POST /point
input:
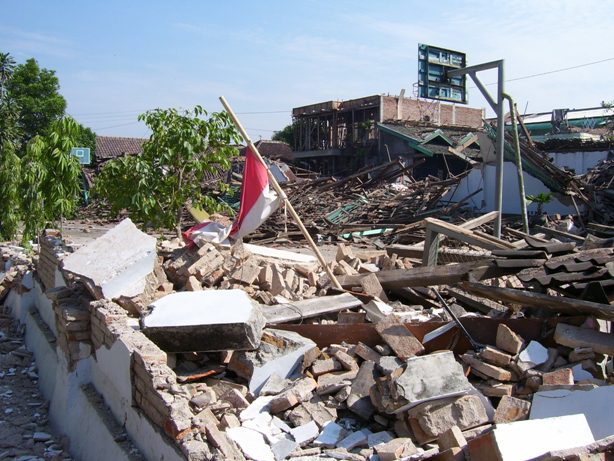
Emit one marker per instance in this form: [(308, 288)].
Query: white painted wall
[(484, 176), (70, 410)]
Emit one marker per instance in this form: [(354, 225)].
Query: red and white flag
[(258, 201)]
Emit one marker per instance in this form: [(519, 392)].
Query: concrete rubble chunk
[(511, 409), (355, 439), (495, 356), (508, 340), (486, 369), (432, 376), (395, 449), (452, 438), (280, 352), (331, 434), (210, 320), (560, 377), (378, 438), (359, 401), (115, 264), (532, 356), (398, 337), (305, 433), (323, 366), (251, 443), (299, 391), (524, 440), (595, 404), (283, 447), (428, 421)]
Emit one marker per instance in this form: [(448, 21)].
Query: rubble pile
[(247, 352), (368, 198), (600, 183)]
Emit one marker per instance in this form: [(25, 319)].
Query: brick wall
[(72, 319), (433, 111), (51, 250)]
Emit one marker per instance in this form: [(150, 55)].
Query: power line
[(550, 72)]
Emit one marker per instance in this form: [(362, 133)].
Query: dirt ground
[(25, 431)]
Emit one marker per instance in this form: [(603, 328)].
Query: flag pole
[(281, 194)]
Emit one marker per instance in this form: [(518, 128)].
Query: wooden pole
[(281, 193)]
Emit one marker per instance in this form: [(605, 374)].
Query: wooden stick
[(281, 193)]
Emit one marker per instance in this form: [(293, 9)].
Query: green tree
[(36, 93), (183, 149), (9, 160), (286, 135), (50, 183)]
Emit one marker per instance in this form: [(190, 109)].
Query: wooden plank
[(520, 254), (558, 233), (444, 254), (519, 263), (570, 336), (420, 276), (464, 235), (309, 308), (410, 295), (553, 303), (485, 306), (522, 235)]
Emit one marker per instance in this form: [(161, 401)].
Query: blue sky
[(116, 59)]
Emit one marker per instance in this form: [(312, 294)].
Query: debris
[(115, 264), (204, 321)]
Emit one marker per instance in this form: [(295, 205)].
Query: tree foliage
[(36, 93), (51, 177), (184, 148), (286, 135), (39, 179)]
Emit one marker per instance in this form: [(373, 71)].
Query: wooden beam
[(485, 306), (307, 308), (421, 276), (558, 233), (538, 300)]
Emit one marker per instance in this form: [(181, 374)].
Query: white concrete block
[(378, 437), (595, 404), (522, 440), (533, 355), (331, 434), (115, 264), (282, 357), (355, 439), (252, 443), (305, 433), (261, 404), (209, 320), (579, 373)]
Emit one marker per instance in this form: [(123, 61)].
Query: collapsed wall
[(272, 393)]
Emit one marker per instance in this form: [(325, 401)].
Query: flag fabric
[(258, 201), (207, 231)]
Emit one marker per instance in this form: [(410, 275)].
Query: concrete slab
[(115, 264), (595, 404), (331, 434), (430, 377), (252, 443), (535, 354), (209, 320), (280, 352), (522, 440)]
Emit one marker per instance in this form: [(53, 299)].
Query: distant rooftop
[(110, 147)]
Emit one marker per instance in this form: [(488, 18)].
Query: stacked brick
[(51, 250), (72, 317), (107, 320)]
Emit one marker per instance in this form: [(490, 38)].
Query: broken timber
[(434, 227), (554, 303), (307, 308), (429, 276)]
